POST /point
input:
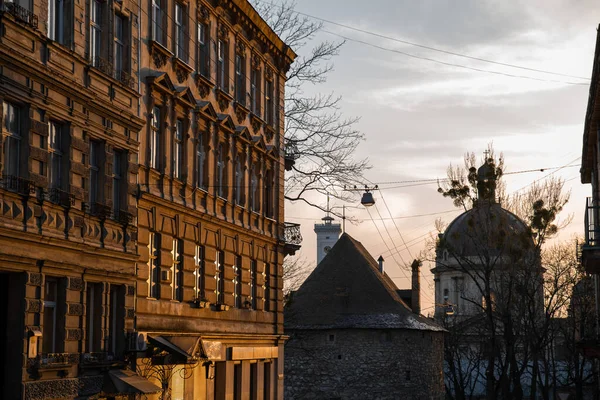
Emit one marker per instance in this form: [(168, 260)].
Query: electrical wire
[(429, 47), (487, 71)]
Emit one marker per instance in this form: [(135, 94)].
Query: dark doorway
[(12, 295)]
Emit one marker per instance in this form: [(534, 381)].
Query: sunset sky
[(419, 116)]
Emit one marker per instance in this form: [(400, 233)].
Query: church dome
[(486, 229)]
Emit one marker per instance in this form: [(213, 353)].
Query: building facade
[(68, 161), (210, 211), (590, 173), (141, 223), (352, 336)]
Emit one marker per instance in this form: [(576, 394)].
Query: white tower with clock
[(328, 234)]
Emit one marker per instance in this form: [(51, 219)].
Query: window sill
[(241, 111), (182, 69), (257, 122), (224, 99), (160, 54), (204, 84)]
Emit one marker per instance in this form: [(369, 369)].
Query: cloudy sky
[(419, 116)]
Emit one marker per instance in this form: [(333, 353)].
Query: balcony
[(17, 184), (590, 251), (292, 238), (99, 210), (60, 197), (107, 68), (20, 13), (123, 217)]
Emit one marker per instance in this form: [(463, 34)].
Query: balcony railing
[(123, 217), (97, 358), (17, 184), (99, 210), (592, 227), (21, 13), (60, 197), (107, 68), (292, 233), (49, 360)]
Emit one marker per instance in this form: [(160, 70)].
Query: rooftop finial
[(486, 179)]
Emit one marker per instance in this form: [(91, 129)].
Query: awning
[(187, 347), (126, 381)]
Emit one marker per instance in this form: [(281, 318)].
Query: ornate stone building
[(210, 212), (161, 113), (68, 161), (590, 173), (352, 336)]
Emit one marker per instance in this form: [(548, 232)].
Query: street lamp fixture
[(367, 199)]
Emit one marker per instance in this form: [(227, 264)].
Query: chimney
[(380, 259), (416, 287)]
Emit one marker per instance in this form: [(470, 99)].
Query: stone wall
[(364, 363)]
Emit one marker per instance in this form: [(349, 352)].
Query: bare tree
[(499, 259), (295, 271), (321, 139)]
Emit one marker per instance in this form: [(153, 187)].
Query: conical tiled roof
[(346, 290)]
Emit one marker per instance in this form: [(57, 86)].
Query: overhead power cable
[(487, 71), (452, 53)]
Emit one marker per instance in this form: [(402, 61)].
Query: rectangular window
[(121, 49), (201, 161), (240, 187), (240, 79), (93, 314), (116, 335), (253, 284), (155, 139), (154, 265), (255, 91), (177, 269), (222, 66), (119, 186), (95, 187), (157, 28), (269, 102), (267, 287), (220, 277), (254, 193), (268, 194), (95, 32), (180, 29), (12, 138), (254, 381), (221, 173), (237, 381), (203, 50), (199, 283), (178, 151), (54, 322), (58, 20), (267, 381), (237, 282), (55, 133)]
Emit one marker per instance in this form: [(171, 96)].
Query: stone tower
[(328, 234)]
